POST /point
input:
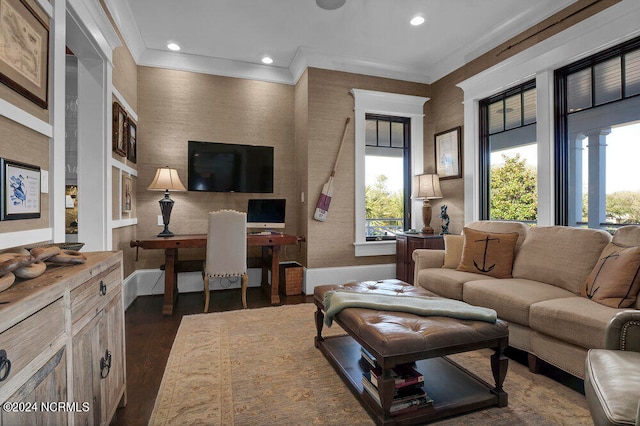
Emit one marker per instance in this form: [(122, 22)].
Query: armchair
[(612, 375)]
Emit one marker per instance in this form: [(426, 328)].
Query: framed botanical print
[(24, 52), (20, 191), (127, 197), (119, 130), (449, 154), (131, 141)]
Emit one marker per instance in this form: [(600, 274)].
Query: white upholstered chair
[(226, 250)]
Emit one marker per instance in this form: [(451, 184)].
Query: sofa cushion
[(627, 236), (452, 250), (511, 297), (488, 253), (615, 280), (559, 255), (446, 282), (583, 321)]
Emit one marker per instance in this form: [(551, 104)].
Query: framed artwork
[(20, 191), (24, 64), (449, 154), (119, 130), (131, 144), (127, 187)]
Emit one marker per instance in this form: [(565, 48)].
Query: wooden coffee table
[(453, 389)]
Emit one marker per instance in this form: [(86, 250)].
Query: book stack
[(409, 393)]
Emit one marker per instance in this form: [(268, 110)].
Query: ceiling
[(374, 37)]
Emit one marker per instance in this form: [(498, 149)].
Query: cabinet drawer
[(94, 294), (29, 338)]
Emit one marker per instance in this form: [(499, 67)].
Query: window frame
[(561, 116), (388, 104)]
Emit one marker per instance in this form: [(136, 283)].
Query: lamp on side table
[(427, 187), (166, 179)]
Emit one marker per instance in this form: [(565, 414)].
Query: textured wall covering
[(177, 106), (330, 243)]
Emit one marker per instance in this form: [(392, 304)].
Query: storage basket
[(290, 278)]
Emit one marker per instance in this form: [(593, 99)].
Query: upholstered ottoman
[(395, 338)]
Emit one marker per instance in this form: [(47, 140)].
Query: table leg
[(170, 281), (275, 274)]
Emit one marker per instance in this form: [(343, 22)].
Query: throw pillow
[(615, 280), (488, 253), (452, 250)]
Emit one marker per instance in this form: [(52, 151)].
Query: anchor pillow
[(615, 280), (488, 253)]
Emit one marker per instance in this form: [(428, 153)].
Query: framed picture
[(119, 130), (127, 187), (449, 154), (131, 145), (20, 192), (24, 38)]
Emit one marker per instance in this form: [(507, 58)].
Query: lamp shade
[(166, 179), (427, 187)]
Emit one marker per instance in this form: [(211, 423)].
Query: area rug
[(260, 367)]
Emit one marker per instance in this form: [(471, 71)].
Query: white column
[(574, 197), (597, 177)]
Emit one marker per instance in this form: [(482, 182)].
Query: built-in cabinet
[(63, 336), (405, 245)]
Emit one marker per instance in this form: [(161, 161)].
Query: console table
[(406, 244), (170, 245)]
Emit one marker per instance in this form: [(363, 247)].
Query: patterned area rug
[(260, 367)]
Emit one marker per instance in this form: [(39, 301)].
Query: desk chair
[(226, 250)]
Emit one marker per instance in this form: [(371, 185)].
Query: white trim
[(96, 25), (21, 238), (121, 223), (125, 104), (123, 18), (314, 277), (124, 167), (46, 7), (412, 107), (29, 121), (608, 28)]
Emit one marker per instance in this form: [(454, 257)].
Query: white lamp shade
[(166, 179), (427, 187)]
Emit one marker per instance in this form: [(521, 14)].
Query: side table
[(406, 244)]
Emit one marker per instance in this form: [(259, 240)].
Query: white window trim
[(371, 102), (608, 28)]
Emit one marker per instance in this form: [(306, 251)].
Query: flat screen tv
[(223, 167), (266, 213)]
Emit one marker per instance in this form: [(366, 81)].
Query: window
[(508, 147), (390, 114), (387, 176), (598, 139)]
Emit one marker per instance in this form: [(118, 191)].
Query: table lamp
[(166, 179), (426, 187)]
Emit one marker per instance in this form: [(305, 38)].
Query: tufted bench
[(395, 338)]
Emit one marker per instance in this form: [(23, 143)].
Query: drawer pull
[(103, 288), (5, 365), (105, 364)]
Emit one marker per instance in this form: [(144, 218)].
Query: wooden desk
[(170, 245)]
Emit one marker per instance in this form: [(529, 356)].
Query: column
[(597, 177)]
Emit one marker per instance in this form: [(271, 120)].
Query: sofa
[(547, 292)]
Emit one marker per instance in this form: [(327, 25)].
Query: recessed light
[(267, 60), (173, 46), (417, 20)]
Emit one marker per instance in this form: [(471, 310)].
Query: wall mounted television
[(224, 167)]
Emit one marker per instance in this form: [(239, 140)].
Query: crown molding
[(123, 18)]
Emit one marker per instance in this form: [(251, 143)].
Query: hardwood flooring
[(149, 336)]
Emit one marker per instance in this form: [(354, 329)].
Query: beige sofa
[(547, 316)]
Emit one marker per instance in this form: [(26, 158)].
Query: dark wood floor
[(150, 335)]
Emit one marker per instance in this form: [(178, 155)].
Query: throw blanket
[(336, 301)]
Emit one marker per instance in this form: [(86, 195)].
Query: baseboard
[(145, 282), (319, 276)]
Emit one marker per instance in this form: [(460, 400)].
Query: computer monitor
[(266, 213)]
